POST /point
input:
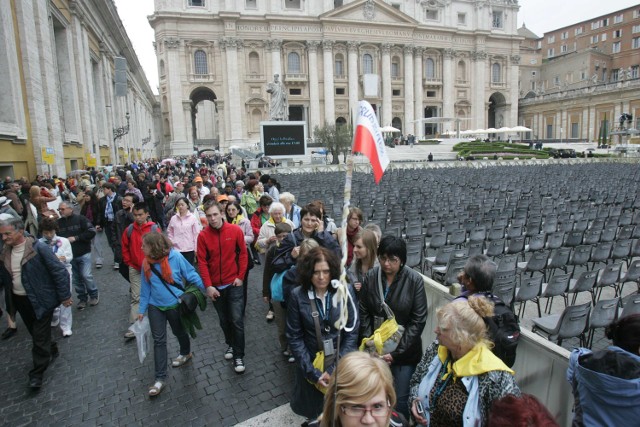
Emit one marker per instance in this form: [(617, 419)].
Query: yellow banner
[(91, 160), (48, 156)]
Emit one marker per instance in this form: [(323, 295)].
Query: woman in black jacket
[(314, 295), (402, 289)]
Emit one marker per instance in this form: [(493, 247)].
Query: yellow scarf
[(237, 219), (479, 360)]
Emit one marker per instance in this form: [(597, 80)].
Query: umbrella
[(491, 130), (504, 130), (389, 129), (170, 161), (521, 129)]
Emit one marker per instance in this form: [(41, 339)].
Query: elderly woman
[(354, 226), (459, 377), (365, 250), (364, 396), (309, 310), (606, 383), (267, 236), (292, 211), (402, 290)]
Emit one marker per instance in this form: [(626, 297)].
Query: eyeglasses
[(319, 273), (391, 260), (378, 410)]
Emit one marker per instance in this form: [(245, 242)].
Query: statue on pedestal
[(279, 105)]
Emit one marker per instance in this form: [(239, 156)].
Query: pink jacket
[(183, 231)]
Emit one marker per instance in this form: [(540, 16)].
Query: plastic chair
[(515, 246), (625, 232), (580, 256), (478, 233), (496, 233), (556, 286), (508, 263), (601, 253), (602, 314), (632, 275), (572, 322), (573, 239), (558, 260), (440, 260), (475, 248), (536, 243), (555, 240), (454, 268), (514, 230), (584, 283), (609, 277), (529, 290), (537, 262), (438, 240), (621, 250), (630, 305), (458, 237), (495, 248), (505, 290), (608, 234), (591, 237)]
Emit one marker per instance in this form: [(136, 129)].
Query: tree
[(337, 139)]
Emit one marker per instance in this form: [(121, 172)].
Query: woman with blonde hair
[(365, 257), (360, 392), (459, 377)]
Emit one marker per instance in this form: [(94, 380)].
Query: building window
[(617, 34), (395, 5), (200, 62), (162, 70), (339, 65), (574, 130), (367, 63), (604, 37), (618, 19), (595, 25), (461, 74), (551, 39), (395, 67), (563, 48), (635, 43), (293, 63), (196, 3), (636, 13), (432, 15), (605, 22), (635, 29), (340, 91), (564, 35), (251, 4), (583, 75), (615, 75), (254, 63), (296, 91), (549, 131), (337, 3), (430, 68), (496, 20), (292, 4), (396, 92), (577, 31), (594, 39), (462, 19), (533, 74), (431, 94), (635, 71), (615, 47), (556, 81), (550, 52), (496, 73)]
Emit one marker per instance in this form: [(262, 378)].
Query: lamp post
[(121, 131)]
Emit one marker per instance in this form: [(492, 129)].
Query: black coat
[(408, 301), (79, 227), (116, 205), (283, 259)]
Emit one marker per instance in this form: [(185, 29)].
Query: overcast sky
[(540, 16)]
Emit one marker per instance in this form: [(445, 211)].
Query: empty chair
[(529, 290), (537, 262), (508, 263), (556, 286), (609, 277), (621, 250), (566, 225), (581, 224), (608, 234), (625, 232), (635, 250), (478, 233), (626, 218), (632, 275), (555, 240), (558, 260), (584, 283), (600, 253), (440, 260), (591, 237), (454, 268), (414, 231), (495, 248), (505, 290), (515, 246), (597, 224), (573, 238), (580, 256), (496, 232), (438, 240), (475, 248), (572, 322), (458, 237), (532, 229), (602, 314), (515, 231), (630, 305), (536, 243), (415, 259), (433, 228)]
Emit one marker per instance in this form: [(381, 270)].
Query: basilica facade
[(411, 59)]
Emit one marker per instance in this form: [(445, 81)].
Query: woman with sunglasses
[(402, 289)]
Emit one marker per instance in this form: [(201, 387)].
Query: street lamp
[(122, 130)]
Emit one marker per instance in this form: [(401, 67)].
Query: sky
[(540, 16)]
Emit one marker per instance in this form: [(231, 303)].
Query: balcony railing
[(340, 77), (296, 77), (255, 77), (498, 84), (201, 77), (432, 81)]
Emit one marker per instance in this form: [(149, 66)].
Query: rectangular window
[(594, 39), (496, 21), (462, 19), (605, 22), (550, 53), (563, 48), (431, 94), (533, 74), (533, 85), (396, 92), (551, 39), (292, 4), (617, 34), (615, 47), (339, 67), (549, 131), (395, 5), (196, 3), (340, 91), (636, 13), (635, 43), (395, 69), (251, 4), (432, 15), (615, 75), (578, 31), (583, 75), (556, 81), (595, 25), (635, 71), (564, 35), (295, 91), (635, 29), (539, 44), (574, 130), (604, 37), (618, 19)]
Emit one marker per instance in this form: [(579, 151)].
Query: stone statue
[(594, 79), (279, 105), (629, 73)]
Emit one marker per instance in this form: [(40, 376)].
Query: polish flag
[(369, 141)]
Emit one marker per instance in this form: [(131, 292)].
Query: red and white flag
[(369, 141)]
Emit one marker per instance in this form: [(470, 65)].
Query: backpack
[(503, 330), (154, 227)]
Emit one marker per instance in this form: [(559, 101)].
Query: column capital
[(312, 45), (478, 55), (408, 49), (353, 46), (515, 59), (230, 43), (386, 48), (449, 53), (327, 45), (274, 44), (172, 42), (418, 51), (187, 105)]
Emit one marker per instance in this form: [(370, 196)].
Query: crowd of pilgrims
[(457, 381)]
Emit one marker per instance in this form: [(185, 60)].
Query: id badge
[(328, 347)]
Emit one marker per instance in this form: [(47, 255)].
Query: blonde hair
[(360, 378), (465, 319), (307, 245), (158, 245)]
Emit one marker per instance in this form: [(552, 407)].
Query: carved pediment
[(368, 11)]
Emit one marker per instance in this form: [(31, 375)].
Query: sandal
[(156, 388)]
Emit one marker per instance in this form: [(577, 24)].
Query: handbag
[(320, 362), (386, 337)]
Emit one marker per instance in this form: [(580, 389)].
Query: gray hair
[(16, 223), (287, 197), (482, 271), (275, 206)]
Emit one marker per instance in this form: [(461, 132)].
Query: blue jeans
[(230, 308), (83, 277), (158, 323), (401, 377)]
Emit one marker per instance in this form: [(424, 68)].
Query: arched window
[(162, 70), (430, 68), (395, 67), (496, 73), (165, 104), (462, 71), (200, 62), (254, 63), (339, 65), (367, 63), (293, 63)]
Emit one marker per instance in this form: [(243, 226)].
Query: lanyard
[(324, 314)]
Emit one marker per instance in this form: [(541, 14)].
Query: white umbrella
[(389, 129), (170, 161), (504, 129), (521, 129), (491, 130)]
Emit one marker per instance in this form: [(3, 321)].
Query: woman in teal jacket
[(160, 301)]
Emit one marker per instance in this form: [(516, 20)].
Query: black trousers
[(40, 330)]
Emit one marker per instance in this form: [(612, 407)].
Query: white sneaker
[(238, 365), (228, 355), (181, 360), (67, 333)]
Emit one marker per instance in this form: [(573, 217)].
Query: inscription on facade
[(427, 36), (287, 28), (251, 27), (366, 31)]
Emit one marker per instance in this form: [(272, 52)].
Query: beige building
[(411, 59), (580, 76), (58, 90)]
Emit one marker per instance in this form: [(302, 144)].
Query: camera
[(420, 408)]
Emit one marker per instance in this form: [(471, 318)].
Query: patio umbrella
[(491, 130), (170, 161), (504, 129), (389, 129), (521, 129)]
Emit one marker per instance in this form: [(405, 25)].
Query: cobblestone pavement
[(98, 380)]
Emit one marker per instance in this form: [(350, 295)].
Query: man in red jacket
[(133, 256), (222, 260)]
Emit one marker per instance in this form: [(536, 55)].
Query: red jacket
[(222, 255), (132, 254), (256, 222)]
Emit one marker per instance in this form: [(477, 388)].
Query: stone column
[(594, 127), (584, 128), (418, 90), (230, 46), (557, 124), (276, 63), (314, 96), (173, 67), (513, 90), (386, 85), (409, 124), (353, 80), (187, 107), (327, 62), (448, 80), (478, 109)]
